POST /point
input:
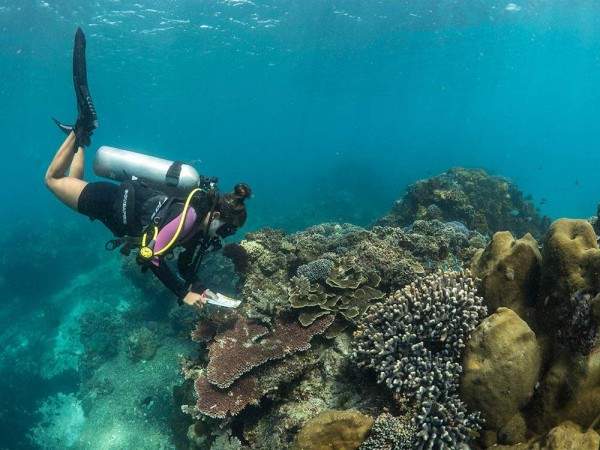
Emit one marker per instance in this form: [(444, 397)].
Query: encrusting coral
[(509, 270), (482, 202), (414, 341), (340, 430), (566, 436)]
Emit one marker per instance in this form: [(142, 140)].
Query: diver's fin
[(85, 105), (63, 127)]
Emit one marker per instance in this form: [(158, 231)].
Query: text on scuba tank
[(124, 206)]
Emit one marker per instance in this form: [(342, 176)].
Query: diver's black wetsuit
[(127, 208)]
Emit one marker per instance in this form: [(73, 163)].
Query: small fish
[(512, 7), (543, 201)]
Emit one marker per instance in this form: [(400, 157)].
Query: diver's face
[(219, 228)]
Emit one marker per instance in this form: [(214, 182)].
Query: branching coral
[(316, 270), (391, 433), (414, 341)]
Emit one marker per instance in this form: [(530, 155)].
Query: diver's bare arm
[(66, 188)]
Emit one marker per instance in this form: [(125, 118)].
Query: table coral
[(249, 345)]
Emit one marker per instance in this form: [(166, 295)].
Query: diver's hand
[(194, 299)]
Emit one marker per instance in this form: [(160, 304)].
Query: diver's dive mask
[(219, 228)]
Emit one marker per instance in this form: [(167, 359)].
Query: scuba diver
[(158, 206)]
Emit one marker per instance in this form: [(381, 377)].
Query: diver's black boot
[(87, 120)]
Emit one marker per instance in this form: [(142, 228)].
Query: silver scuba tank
[(122, 165)]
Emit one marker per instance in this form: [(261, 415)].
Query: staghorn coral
[(414, 341), (241, 349), (391, 433), (343, 430), (482, 202)]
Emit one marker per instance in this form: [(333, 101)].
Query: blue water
[(327, 109)]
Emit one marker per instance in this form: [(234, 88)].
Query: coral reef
[(414, 341), (249, 345), (501, 364), (510, 270), (484, 203), (391, 433), (395, 255), (525, 383), (342, 430)]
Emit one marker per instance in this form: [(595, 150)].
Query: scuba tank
[(123, 165)]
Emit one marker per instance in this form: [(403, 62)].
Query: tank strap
[(173, 173)]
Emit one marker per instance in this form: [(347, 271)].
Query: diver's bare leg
[(66, 188), (77, 165)]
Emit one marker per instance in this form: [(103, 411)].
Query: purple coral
[(218, 403), (246, 346), (230, 383)]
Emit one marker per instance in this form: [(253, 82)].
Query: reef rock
[(509, 270), (566, 436), (482, 202), (501, 367), (571, 263), (570, 390), (571, 258), (334, 430)]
